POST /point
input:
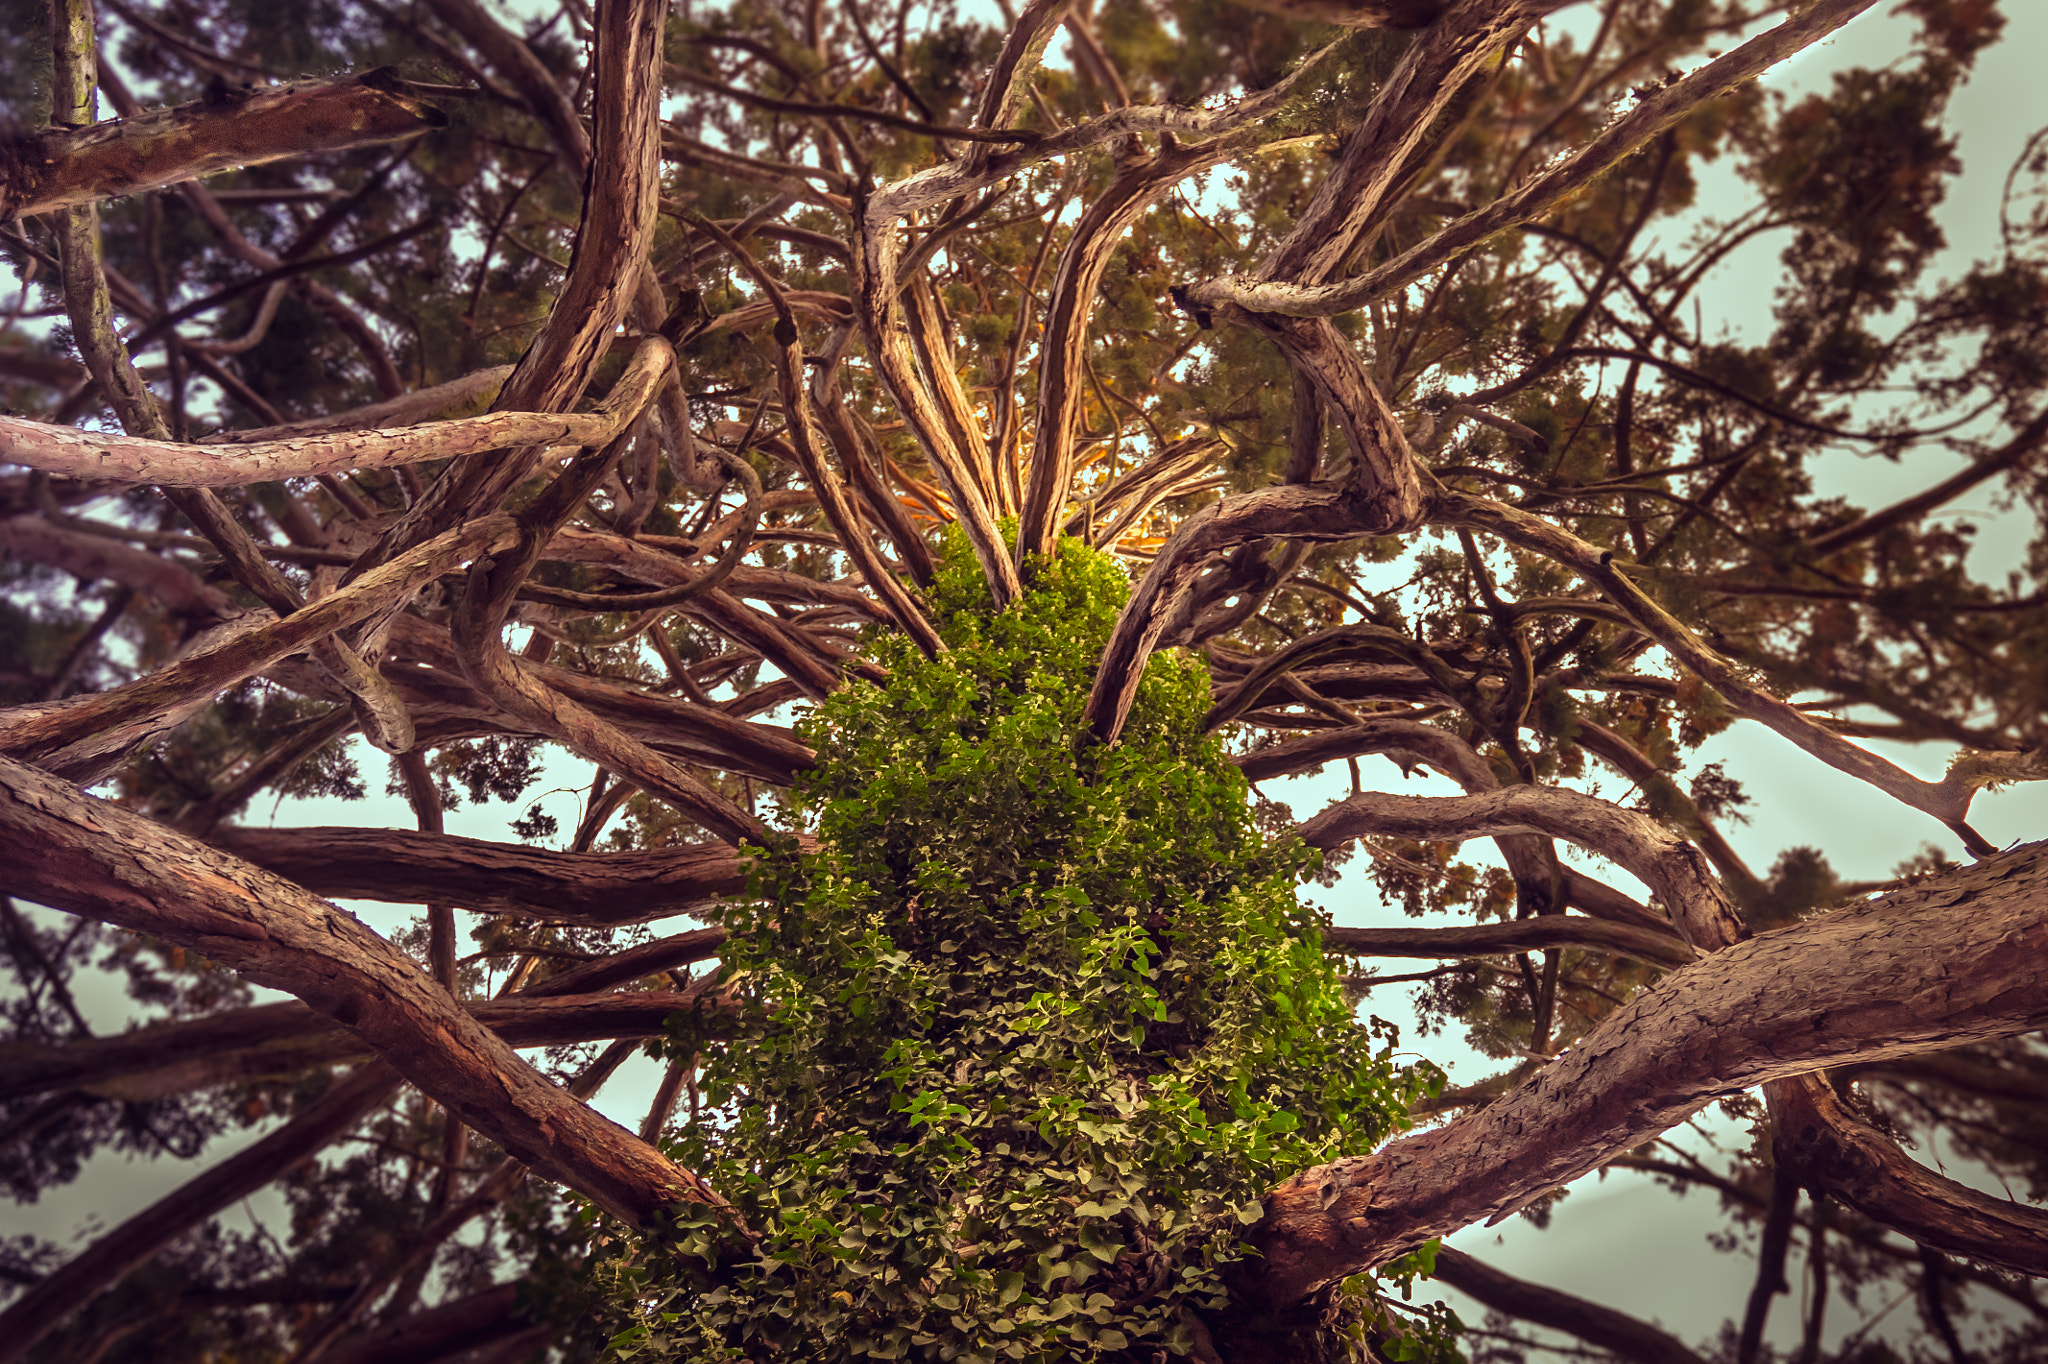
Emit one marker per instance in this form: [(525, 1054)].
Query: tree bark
[(1960, 959), (282, 1039), (64, 168), (1519, 935), (403, 867), (1834, 1152), (89, 857)]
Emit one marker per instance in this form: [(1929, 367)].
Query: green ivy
[(1040, 1020)]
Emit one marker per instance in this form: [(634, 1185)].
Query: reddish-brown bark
[(66, 167), (1958, 960), (92, 858), (282, 1039), (1834, 1152), (404, 867)]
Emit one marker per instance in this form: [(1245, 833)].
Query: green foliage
[(1039, 1021)]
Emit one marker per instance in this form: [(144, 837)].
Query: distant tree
[(930, 483)]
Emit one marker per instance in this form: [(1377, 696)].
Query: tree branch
[(1283, 288), (89, 857), (1895, 976), (1517, 935), (1837, 1153), (1596, 1325), (44, 1307), (1669, 865), (399, 866), (70, 167)]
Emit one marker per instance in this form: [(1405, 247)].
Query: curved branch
[(621, 198), (1316, 513), (1360, 637), (89, 857), (1895, 976), (1833, 1151), (1669, 865), (1063, 343), (807, 437), (1313, 297)]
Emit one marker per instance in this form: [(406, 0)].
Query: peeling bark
[(69, 167)]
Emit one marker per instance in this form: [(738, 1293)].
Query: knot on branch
[(1184, 301)]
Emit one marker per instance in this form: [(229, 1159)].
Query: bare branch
[(75, 453), (1894, 976), (402, 867), (1947, 800), (1315, 513), (1835, 1152), (69, 167), (1516, 935), (1669, 865), (87, 734), (1632, 1339), (89, 857), (1303, 290), (284, 1039)]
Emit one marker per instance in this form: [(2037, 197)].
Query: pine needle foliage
[(1041, 1020)]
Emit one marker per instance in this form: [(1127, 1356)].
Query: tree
[(1070, 443)]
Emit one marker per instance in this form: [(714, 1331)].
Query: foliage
[(1042, 1019)]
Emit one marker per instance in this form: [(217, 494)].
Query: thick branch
[(83, 735), (89, 857), (1835, 1152), (402, 867), (1960, 959), (76, 453), (68, 167), (619, 206), (1462, 45), (1516, 935), (1669, 865)]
